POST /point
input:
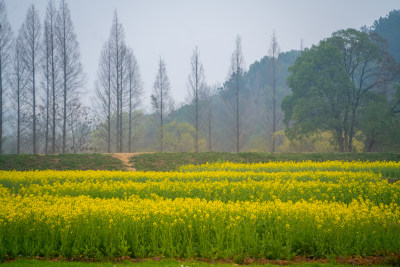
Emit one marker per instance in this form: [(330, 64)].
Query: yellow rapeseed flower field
[(219, 210)]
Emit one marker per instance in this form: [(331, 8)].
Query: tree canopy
[(333, 84), (388, 27)]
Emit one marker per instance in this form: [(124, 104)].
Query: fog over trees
[(341, 94), (6, 40), (161, 100), (196, 93)]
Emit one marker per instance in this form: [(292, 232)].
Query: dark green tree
[(389, 28), (318, 100), (333, 81), (380, 125)]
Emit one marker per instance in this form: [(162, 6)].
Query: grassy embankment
[(170, 161), (60, 162)]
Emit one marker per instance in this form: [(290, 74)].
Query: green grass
[(150, 263), (169, 161), (60, 162), (172, 161)]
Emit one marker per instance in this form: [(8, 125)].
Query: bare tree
[(196, 93), (18, 85), (79, 126), (31, 31), (5, 54), (46, 72), (161, 99), (118, 47), (122, 91), (52, 71), (274, 51), (235, 84), (118, 89), (135, 86), (209, 94), (103, 101), (72, 71)]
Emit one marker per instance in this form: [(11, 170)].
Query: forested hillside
[(341, 94)]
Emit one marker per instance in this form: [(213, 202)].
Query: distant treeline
[(342, 94)]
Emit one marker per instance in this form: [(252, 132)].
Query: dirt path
[(124, 157)]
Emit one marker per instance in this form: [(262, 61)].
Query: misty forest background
[(342, 94)]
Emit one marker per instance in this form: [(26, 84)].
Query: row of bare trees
[(119, 89), (43, 75), (200, 95)]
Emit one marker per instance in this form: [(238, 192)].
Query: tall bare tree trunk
[(30, 45), (161, 100), (274, 54), (130, 116), (50, 20), (209, 125), (109, 104), (237, 112), (233, 89), (196, 93), (120, 103), (118, 81), (47, 90), (5, 54), (34, 103), (64, 49), (162, 115), (196, 138), (1, 96), (18, 119), (273, 103), (72, 71), (18, 83)]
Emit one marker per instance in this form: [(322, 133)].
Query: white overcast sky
[(173, 28)]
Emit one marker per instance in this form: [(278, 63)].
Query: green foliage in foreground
[(172, 161), (60, 162), (164, 263)]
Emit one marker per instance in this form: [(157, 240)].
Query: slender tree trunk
[(47, 97), (120, 108), (53, 90), (18, 115), (117, 125), (65, 87), (351, 133), (273, 103), (117, 69), (161, 117), (130, 115), (237, 111), (346, 126), (209, 127), (53, 135), (196, 139), (33, 101), (339, 137), (1, 100), (109, 106), (370, 142)]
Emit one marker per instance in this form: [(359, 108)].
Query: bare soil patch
[(124, 157)]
